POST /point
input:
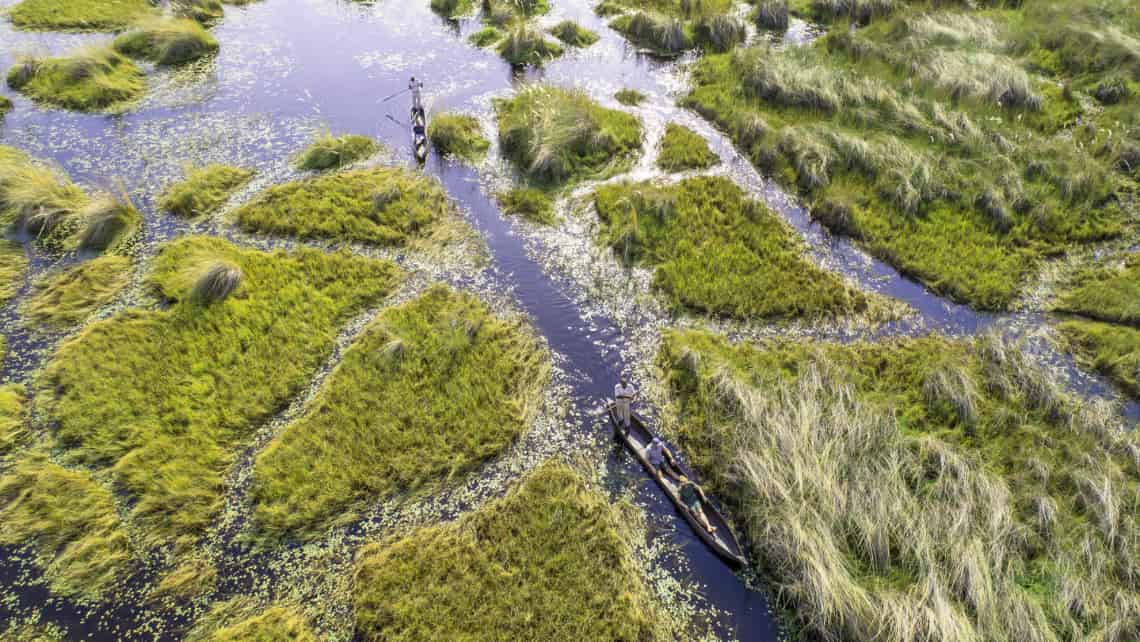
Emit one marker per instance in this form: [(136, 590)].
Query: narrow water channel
[(290, 68)]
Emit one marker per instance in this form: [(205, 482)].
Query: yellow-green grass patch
[(550, 561), (573, 34), (716, 251), (91, 79), (5, 105), (163, 398), (332, 152), (205, 190), (1109, 293), (532, 204), (629, 97), (68, 297), (431, 390), (79, 15), (523, 45), (452, 8), (70, 523), (384, 206), (241, 620), (13, 263), (918, 484), (683, 149), (12, 426), (458, 134), (36, 198), (1113, 350), (167, 41), (206, 12), (558, 136)]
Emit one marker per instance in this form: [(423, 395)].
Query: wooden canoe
[(419, 133), (723, 542)]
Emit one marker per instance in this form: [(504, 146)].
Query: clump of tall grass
[(204, 190), (458, 134), (5, 105), (65, 299), (13, 262), (1113, 350), (526, 45), (1109, 292), (242, 618), (12, 427), (203, 11), (332, 152), (485, 37), (530, 203), (581, 580), (718, 33), (452, 8), (574, 34), (373, 430), (979, 75), (36, 198), (557, 136), (80, 15), (517, 8), (108, 222), (772, 14), (856, 11), (217, 281), (167, 41), (629, 97), (683, 149), (89, 79), (657, 32)]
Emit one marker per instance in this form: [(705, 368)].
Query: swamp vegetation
[(458, 134), (91, 79), (682, 149), (333, 152), (70, 296), (204, 191)]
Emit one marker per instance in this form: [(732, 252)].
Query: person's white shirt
[(624, 391)]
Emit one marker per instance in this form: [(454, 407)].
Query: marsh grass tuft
[(205, 12), (458, 134), (217, 282), (526, 45), (204, 190), (683, 149), (1109, 293), (108, 223), (1111, 349), (36, 198), (5, 105), (772, 14), (385, 206), (452, 8), (241, 619), (13, 430), (561, 543), (332, 152), (629, 97), (79, 15), (574, 34), (67, 298), (485, 37), (91, 79), (167, 41), (431, 390), (559, 136), (658, 33), (532, 204), (13, 263)]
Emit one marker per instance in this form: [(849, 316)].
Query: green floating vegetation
[(485, 37), (71, 524), (1110, 293), (1113, 350), (67, 298), (167, 41), (13, 263), (532, 204), (525, 45), (920, 138), (558, 136), (91, 79), (205, 12), (385, 206), (38, 199), (683, 149), (948, 487), (205, 190), (12, 426), (458, 134), (718, 252), (630, 97), (431, 390), (79, 15), (191, 382), (550, 561), (332, 152), (574, 34)]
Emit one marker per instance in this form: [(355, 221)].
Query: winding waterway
[(290, 68)]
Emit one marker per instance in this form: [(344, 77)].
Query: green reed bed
[(718, 252), (670, 27), (384, 206), (532, 204), (431, 390), (916, 489), (70, 524), (167, 42), (573, 34), (333, 152), (90, 79), (37, 198), (189, 383), (683, 149), (68, 297), (550, 561), (557, 136), (458, 134), (12, 421), (13, 263), (525, 45), (79, 15), (205, 190), (962, 186)]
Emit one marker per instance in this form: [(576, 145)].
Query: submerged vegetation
[(550, 561), (716, 251), (13, 262), (204, 190), (560, 136), (167, 439), (332, 152), (941, 489), (70, 296), (432, 389), (458, 134), (91, 79), (167, 41), (929, 137), (682, 149), (532, 204), (81, 15), (385, 206)]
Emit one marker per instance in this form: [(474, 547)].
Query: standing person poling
[(624, 395), (416, 87)]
